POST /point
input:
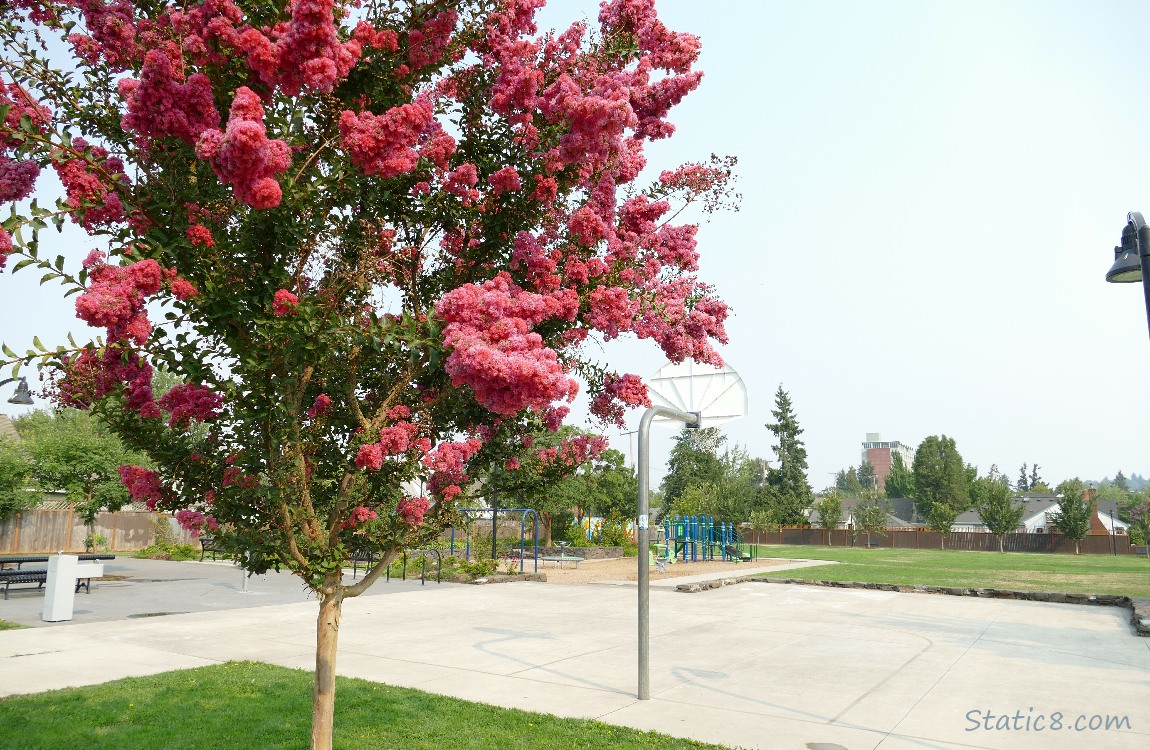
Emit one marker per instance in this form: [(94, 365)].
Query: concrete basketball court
[(754, 665)]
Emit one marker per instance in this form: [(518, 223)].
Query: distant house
[(8, 430), (900, 510), (1039, 517)]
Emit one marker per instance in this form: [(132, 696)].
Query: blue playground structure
[(698, 538)]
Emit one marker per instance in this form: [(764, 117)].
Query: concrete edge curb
[(1139, 606)]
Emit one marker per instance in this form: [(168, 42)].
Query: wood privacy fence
[(1097, 544), (62, 530)]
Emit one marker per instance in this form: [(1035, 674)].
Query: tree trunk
[(942, 541), (327, 636), (546, 528), (1001, 548), (1076, 546)]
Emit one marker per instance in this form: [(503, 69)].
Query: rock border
[(1139, 606), (495, 578)]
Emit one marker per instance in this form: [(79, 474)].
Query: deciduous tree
[(15, 478), (940, 483), (379, 236), (830, 509), (997, 506), (1075, 511), (71, 451)]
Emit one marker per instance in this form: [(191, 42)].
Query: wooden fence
[(1094, 544), (63, 530)]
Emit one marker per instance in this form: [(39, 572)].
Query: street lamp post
[(1132, 257)]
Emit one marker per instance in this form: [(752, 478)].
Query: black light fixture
[(1132, 257), (23, 395)]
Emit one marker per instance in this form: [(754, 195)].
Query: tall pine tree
[(789, 489)]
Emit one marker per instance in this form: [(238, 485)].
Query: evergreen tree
[(847, 482), (788, 482), (1035, 479), (694, 460), (866, 477), (900, 482), (1023, 482), (1121, 482)]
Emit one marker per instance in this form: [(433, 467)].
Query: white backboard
[(719, 393)]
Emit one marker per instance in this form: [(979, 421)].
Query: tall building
[(880, 455)]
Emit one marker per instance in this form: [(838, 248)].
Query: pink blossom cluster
[(182, 289), (461, 181), (189, 402), (93, 374), (243, 156), (111, 34), (617, 391), (574, 451), (384, 145), (303, 52), (412, 509), (284, 303), (447, 463), (116, 295), (358, 516), (144, 485), (505, 180), (17, 178), (208, 30), (512, 464), (320, 406), (161, 104), (496, 352), (5, 247), (393, 441), (196, 522), (426, 45), (90, 177)]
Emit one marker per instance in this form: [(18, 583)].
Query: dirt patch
[(627, 569)]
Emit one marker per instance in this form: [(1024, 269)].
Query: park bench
[(19, 560), (209, 546), (364, 557), (38, 576)]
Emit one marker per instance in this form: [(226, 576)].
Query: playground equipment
[(474, 513), (699, 538)]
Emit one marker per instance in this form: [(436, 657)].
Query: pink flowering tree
[(537, 464), (372, 241)]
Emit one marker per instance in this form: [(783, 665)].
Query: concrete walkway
[(754, 665)]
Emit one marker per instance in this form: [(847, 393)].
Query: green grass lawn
[(1088, 574), (244, 705)]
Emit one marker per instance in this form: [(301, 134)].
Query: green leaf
[(7, 350), (36, 343)]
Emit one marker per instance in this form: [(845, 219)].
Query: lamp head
[(1127, 266), (23, 395)]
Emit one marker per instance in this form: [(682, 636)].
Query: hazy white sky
[(931, 196)]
